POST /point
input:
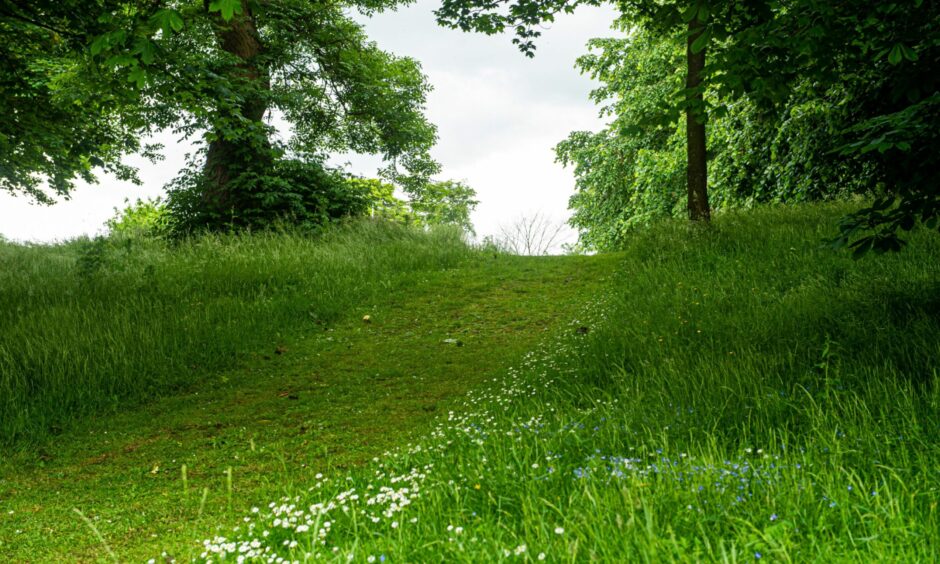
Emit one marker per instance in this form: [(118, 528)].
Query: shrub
[(141, 218), (301, 193)]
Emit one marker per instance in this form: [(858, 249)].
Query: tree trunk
[(228, 154), (696, 170)]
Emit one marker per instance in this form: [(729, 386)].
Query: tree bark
[(696, 170), (226, 155)]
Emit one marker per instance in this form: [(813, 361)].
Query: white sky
[(499, 114)]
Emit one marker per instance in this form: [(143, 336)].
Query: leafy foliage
[(149, 218), (875, 63), (59, 123), (446, 202), (213, 70), (287, 190), (799, 110), (435, 202), (303, 194), (841, 96), (382, 202), (633, 170)]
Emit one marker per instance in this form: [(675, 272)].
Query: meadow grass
[(99, 325), (737, 393), (159, 473), (741, 393)]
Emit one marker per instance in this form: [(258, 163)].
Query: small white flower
[(541, 556), (559, 530)]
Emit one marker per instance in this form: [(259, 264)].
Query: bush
[(142, 218), (301, 193)]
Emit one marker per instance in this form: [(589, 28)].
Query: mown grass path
[(335, 397)]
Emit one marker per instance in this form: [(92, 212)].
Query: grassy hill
[(736, 393), (92, 325)]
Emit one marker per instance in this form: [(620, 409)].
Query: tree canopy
[(59, 123), (796, 100), (222, 72), (866, 70)]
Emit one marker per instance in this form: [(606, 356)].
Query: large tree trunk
[(696, 171), (227, 156)]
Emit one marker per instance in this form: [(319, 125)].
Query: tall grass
[(742, 394), (93, 324)]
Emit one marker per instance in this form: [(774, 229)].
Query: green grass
[(737, 393), (92, 325), (338, 395), (742, 394)]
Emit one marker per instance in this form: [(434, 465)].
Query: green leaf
[(703, 13), (689, 13), (146, 49), (894, 56), (122, 60), (908, 53), (701, 41), (99, 44), (170, 21), (139, 76), (227, 8)]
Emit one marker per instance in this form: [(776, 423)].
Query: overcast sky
[(498, 115)]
